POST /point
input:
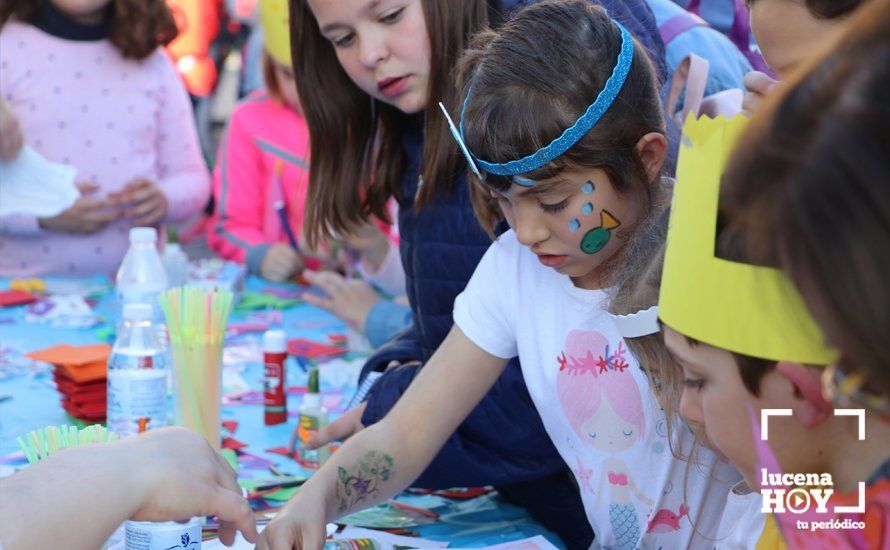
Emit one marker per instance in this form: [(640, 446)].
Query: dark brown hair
[(357, 161), (826, 9), (270, 81), (808, 190), (136, 27), (535, 76)]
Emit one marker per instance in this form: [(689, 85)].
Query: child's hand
[(280, 263), (300, 524), (349, 424), (348, 299), (757, 87), (179, 476), (11, 140), (86, 215), (145, 202)]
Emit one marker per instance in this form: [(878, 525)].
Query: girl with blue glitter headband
[(370, 74), (562, 105)]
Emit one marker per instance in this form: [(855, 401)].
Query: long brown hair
[(535, 76), (808, 190), (357, 161), (136, 27)]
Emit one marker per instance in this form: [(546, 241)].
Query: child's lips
[(551, 260)]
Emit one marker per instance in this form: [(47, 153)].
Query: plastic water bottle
[(141, 277), (137, 376), (176, 264)]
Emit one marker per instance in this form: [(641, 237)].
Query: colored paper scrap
[(233, 444), (251, 300), (307, 348), (230, 425), (10, 298), (64, 354)]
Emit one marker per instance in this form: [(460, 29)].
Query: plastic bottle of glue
[(313, 417), (274, 356)]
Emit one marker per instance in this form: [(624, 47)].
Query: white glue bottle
[(313, 417), (137, 376)]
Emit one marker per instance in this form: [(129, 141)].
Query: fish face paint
[(596, 239), (571, 222)]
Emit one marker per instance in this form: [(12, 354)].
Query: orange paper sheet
[(85, 373), (73, 356)]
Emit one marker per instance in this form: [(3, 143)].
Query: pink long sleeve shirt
[(262, 136), (114, 119)]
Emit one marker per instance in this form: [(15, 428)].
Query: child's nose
[(529, 227), (690, 408)]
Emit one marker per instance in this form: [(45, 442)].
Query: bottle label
[(162, 536), (274, 396), (308, 427), (137, 399)]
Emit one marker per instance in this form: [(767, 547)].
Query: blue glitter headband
[(569, 138)]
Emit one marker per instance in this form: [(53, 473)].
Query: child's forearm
[(373, 466)]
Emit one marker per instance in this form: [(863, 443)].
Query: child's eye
[(627, 434), (555, 208), (693, 384), (344, 41), (392, 16)]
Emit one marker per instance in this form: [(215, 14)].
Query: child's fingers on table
[(234, 513), (345, 426), (318, 301)]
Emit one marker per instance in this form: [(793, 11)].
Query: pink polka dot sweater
[(115, 120)]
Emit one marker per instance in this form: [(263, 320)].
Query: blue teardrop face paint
[(574, 225), (588, 188), (587, 209)]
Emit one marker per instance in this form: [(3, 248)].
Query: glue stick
[(274, 355), (313, 417)]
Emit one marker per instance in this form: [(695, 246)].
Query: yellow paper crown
[(743, 308), (276, 29)]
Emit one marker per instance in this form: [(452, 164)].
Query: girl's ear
[(810, 405), (652, 149)]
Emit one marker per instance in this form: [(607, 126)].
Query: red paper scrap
[(230, 425), (307, 348), (283, 451), (233, 444), (10, 298), (337, 339)]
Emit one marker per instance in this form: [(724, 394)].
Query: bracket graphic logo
[(800, 493)]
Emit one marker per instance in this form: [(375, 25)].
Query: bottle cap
[(138, 312), (172, 249), (274, 341), (143, 235)]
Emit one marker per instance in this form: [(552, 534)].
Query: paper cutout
[(63, 354), (283, 451), (68, 311), (255, 300), (230, 425), (233, 444), (596, 239), (31, 185), (307, 348), (10, 298), (747, 309)]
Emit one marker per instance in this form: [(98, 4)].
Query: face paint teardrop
[(596, 239)]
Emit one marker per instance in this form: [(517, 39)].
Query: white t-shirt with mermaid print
[(595, 403)]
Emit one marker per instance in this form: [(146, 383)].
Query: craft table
[(28, 400)]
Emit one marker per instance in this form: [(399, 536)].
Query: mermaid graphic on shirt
[(602, 402)]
